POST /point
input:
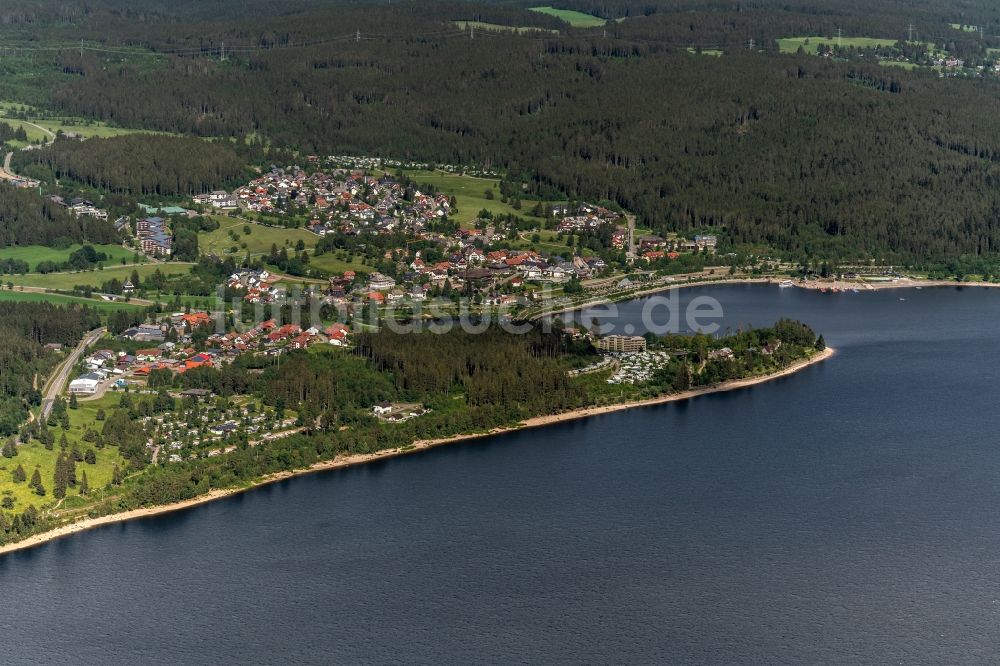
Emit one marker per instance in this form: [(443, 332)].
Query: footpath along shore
[(361, 459)]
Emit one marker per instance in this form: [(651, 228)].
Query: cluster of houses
[(271, 338), (79, 206), (219, 199), (585, 217), (343, 201), (367, 163), (257, 286), (488, 273), (654, 248), (179, 357)]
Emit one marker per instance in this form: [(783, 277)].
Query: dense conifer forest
[(140, 164), (28, 219), (810, 156), (25, 328)]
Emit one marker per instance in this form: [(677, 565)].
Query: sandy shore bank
[(361, 459), (901, 283)]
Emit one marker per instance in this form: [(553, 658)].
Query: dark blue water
[(847, 514)]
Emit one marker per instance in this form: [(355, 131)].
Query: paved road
[(59, 378), (96, 295)]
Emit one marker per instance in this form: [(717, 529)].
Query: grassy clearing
[(59, 299), (479, 25), (809, 44), (33, 254), (330, 263), (574, 18), (95, 278), (34, 455), (706, 52), (257, 242), (964, 28), (470, 194)]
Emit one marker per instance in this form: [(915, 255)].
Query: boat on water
[(785, 284)]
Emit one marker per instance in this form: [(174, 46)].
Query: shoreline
[(816, 285), (417, 446)]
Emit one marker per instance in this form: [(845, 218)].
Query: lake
[(849, 513)]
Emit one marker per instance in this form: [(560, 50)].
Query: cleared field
[(95, 278), (59, 299), (330, 263), (809, 44), (574, 18), (470, 194), (41, 129), (34, 455), (33, 254), (257, 242), (964, 28), (706, 52), (479, 25)]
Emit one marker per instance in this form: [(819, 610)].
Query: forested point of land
[(805, 156), (469, 383)]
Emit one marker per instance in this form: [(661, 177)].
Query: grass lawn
[(548, 243), (33, 254), (574, 18), (330, 263), (95, 278), (59, 299), (809, 44), (479, 25), (34, 455), (470, 194), (964, 28), (257, 242)]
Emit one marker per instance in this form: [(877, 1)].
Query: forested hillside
[(24, 328), (810, 156), (28, 219), (141, 164)]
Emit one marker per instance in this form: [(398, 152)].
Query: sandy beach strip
[(420, 445)]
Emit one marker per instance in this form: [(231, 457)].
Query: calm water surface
[(847, 514)]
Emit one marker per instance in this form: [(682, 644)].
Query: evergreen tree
[(36, 483), (19, 475)]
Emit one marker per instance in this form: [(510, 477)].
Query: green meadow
[(33, 254), (809, 44), (574, 18), (59, 299), (470, 194), (35, 456), (96, 277), (257, 242)]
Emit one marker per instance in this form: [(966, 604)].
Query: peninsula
[(190, 435)]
